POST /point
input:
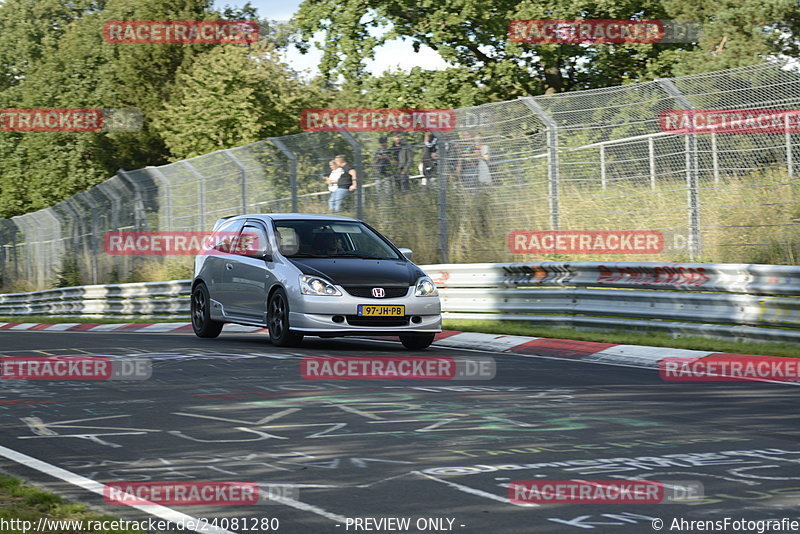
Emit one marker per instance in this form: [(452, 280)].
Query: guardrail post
[(552, 158), (242, 174), (293, 169), (358, 163), (441, 182), (692, 171)]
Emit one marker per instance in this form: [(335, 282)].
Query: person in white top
[(333, 178)]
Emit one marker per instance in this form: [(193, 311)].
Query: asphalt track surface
[(236, 409)]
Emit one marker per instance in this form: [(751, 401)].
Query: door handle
[(229, 266)]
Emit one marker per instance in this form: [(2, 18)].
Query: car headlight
[(314, 285), (426, 288)]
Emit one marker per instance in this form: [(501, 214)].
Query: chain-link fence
[(587, 160)]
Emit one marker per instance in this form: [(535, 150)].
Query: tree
[(231, 96), (471, 34)]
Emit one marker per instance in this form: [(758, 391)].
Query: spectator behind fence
[(401, 156), (382, 160), (332, 179), (347, 182), (484, 170), (430, 156)]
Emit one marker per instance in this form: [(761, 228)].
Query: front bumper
[(315, 314)]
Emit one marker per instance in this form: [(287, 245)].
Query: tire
[(417, 341), (278, 321), (202, 324)]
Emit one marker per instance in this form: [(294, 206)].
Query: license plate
[(370, 310)]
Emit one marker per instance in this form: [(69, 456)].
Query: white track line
[(156, 510)]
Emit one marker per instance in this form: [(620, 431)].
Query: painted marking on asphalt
[(88, 484), (305, 507), (474, 491)]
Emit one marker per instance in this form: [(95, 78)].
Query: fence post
[(79, 229), (691, 171), (56, 248), (603, 166), (242, 174), (201, 194), (155, 171), (552, 158), (359, 165), (651, 155), (714, 157), (139, 211), (292, 169), (93, 239), (22, 224), (441, 182), (789, 153)]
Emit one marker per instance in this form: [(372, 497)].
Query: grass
[(522, 328), (19, 501)]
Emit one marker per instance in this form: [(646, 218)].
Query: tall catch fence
[(586, 160)]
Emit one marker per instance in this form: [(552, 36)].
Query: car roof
[(291, 216)]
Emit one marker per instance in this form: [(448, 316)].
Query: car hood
[(360, 272)]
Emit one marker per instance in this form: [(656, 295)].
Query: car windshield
[(331, 239)]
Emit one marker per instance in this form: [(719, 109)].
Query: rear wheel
[(202, 324), (278, 321), (417, 342)]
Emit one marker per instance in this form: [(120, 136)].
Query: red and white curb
[(147, 328), (588, 351)]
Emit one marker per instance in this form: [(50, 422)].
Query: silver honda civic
[(319, 275)]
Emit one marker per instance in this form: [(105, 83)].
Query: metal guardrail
[(145, 298), (734, 301)]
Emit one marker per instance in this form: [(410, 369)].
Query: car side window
[(253, 240), (224, 237), (288, 240)]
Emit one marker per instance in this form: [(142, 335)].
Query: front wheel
[(202, 324), (417, 342), (278, 321)]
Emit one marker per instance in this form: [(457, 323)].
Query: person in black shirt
[(402, 156), (430, 156), (347, 183)]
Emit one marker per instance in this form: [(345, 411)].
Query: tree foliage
[(472, 36), (52, 55)]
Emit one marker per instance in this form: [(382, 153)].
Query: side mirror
[(407, 252)]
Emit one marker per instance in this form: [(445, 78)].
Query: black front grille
[(357, 320), (366, 291)]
